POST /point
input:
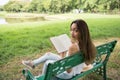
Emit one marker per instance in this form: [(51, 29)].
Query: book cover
[(61, 42)]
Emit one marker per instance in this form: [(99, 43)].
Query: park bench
[(99, 65)]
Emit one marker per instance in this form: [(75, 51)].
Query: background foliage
[(62, 6)]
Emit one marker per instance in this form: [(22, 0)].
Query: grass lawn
[(30, 40)]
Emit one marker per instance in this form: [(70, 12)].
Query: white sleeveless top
[(77, 69)]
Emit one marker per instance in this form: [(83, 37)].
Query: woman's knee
[(48, 53), (48, 61)]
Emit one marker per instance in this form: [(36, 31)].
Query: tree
[(13, 6), (1, 8), (113, 5), (62, 6)]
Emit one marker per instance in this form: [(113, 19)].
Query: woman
[(81, 41)]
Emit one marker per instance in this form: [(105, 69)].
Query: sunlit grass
[(88, 15), (28, 38)]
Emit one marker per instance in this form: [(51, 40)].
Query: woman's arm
[(72, 50)]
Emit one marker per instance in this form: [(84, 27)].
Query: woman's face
[(74, 31)]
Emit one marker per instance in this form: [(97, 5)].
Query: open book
[(61, 42)]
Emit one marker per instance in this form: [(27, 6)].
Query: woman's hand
[(62, 54)]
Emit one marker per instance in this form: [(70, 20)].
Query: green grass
[(103, 28), (21, 40), (27, 38)]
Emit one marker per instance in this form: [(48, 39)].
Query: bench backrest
[(104, 49), (62, 65), (71, 61)]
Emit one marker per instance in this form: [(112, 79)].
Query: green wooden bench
[(99, 65)]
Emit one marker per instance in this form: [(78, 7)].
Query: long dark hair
[(85, 42)]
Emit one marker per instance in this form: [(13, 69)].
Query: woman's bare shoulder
[(73, 46), (73, 49)]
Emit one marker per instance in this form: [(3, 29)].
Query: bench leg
[(104, 72)]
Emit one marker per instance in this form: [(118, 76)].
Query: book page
[(65, 40), (61, 43), (57, 44)]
